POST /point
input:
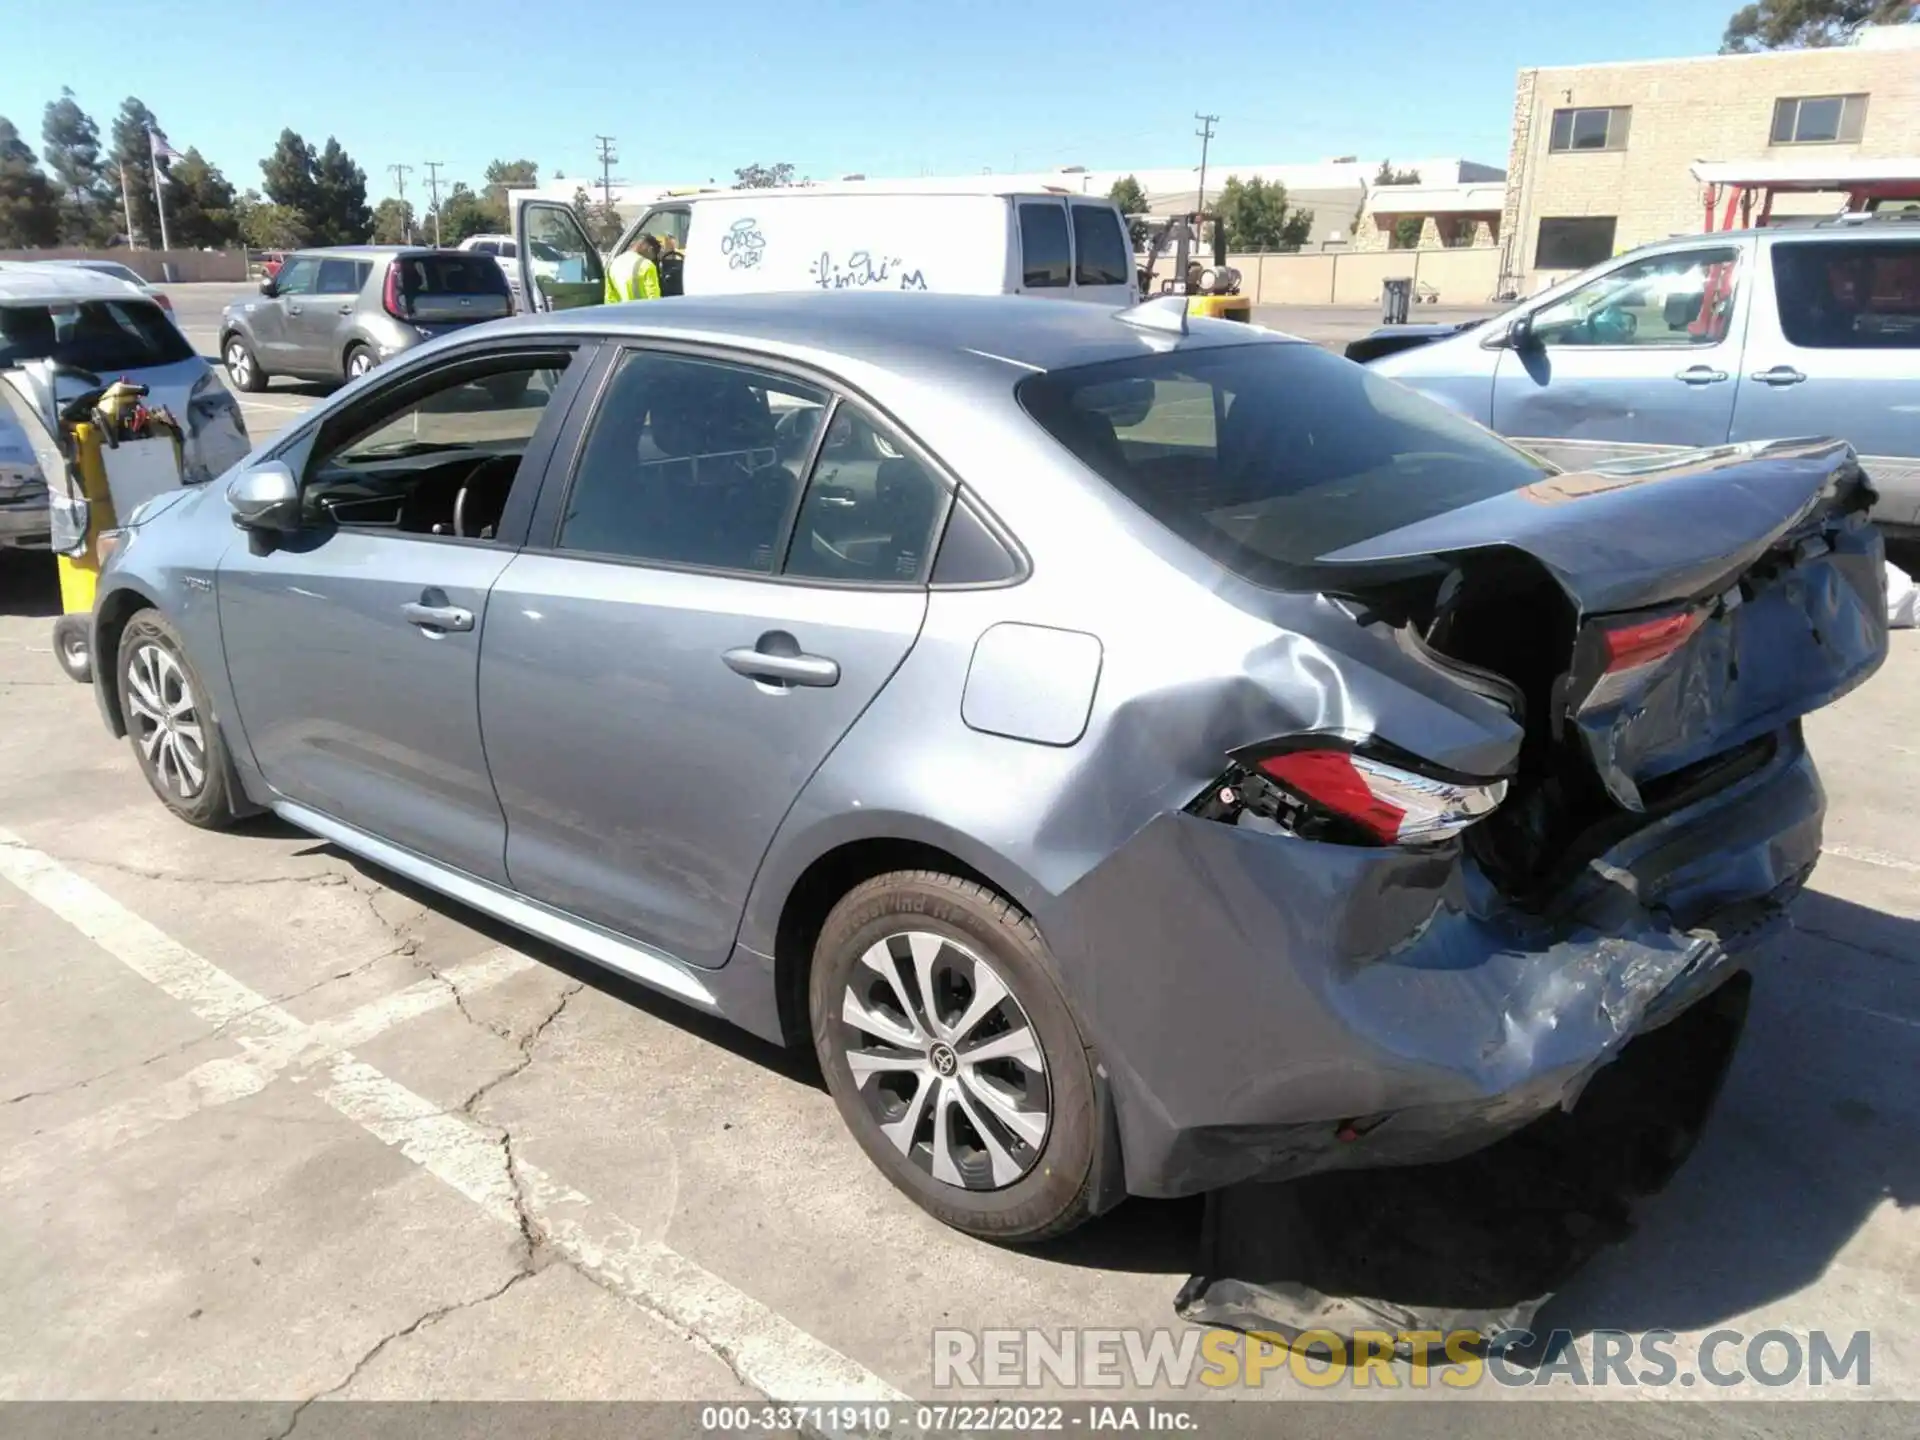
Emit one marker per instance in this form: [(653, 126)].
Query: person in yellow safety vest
[(635, 273)]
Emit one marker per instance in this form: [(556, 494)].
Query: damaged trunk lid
[(1714, 596)]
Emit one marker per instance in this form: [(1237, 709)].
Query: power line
[(399, 173), (607, 157), (433, 180)]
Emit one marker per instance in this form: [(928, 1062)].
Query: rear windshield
[(461, 274), (104, 336), (1269, 456)]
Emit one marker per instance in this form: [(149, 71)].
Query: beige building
[(1602, 155)]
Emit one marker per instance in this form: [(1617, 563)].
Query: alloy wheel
[(240, 364), (359, 364), (946, 1060), (166, 721)]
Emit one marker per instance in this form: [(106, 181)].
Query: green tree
[(1257, 217), (464, 213), (392, 222), (505, 174), (287, 175), (601, 222), (200, 204), (340, 216), (763, 177), (70, 141), (1132, 200), (1407, 231), (29, 202), (267, 226), (1809, 24), (1387, 175), (132, 168)]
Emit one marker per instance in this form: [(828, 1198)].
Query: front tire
[(73, 647), (952, 1055), (176, 741), (243, 366)]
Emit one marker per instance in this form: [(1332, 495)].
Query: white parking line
[(768, 1352), (1867, 856)]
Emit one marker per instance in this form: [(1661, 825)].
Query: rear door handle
[(347, 309), (293, 309), (757, 664), (438, 617), (1778, 375), (1700, 375)]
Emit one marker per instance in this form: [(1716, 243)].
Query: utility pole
[(1205, 132), (433, 180), (607, 157), (400, 187)]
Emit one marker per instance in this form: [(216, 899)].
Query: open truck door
[(560, 267)]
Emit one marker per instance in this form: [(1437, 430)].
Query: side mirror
[(269, 287), (267, 497), (1520, 334)]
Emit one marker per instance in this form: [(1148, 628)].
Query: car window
[(507, 250), (297, 277), (1856, 296), (1101, 253), (339, 277), (555, 237), (675, 223), (117, 271), (692, 462), (1045, 259), (451, 273), (485, 247), (104, 336), (436, 457), (1267, 457), (870, 508), (1681, 299)]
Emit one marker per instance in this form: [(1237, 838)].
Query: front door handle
[(1700, 375), (769, 661), (1778, 375), (438, 617)]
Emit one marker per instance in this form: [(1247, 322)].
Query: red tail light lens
[(1390, 805), (391, 298), (1642, 642), (163, 302)]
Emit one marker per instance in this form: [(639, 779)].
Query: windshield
[(451, 274), (1267, 457), (107, 337)]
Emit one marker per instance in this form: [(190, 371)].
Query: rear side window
[(1268, 457), (870, 509), (1849, 296), (340, 277), (485, 247), (105, 336), (451, 274), (1101, 256), (692, 462), (1046, 261)]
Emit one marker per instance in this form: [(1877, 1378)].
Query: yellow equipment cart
[(102, 453)]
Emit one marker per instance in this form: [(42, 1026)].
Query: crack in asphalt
[(324, 879), (1842, 940)]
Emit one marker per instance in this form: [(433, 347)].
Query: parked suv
[(335, 314), (1748, 335)]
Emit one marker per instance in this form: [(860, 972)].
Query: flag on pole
[(163, 154)]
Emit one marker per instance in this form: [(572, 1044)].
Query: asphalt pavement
[(275, 1125)]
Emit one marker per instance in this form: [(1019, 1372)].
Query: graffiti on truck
[(864, 270), (743, 244)]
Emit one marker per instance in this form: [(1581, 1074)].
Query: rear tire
[(243, 366), (979, 1106), (176, 741), (73, 647), (359, 361)]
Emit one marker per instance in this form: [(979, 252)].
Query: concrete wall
[(1349, 277), (1717, 107), (188, 265)]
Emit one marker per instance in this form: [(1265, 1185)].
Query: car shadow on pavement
[(1818, 1127), (796, 1064), (29, 584)]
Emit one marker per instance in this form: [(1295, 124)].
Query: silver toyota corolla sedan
[(1137, 759)]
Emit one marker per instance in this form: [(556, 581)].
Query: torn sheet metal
[(1480, 1243)]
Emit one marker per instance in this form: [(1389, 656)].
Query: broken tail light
[(1334, 794), (1642, 642)]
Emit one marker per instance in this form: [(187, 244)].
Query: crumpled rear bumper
[(1269, 1007)]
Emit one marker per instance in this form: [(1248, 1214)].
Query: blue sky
[(694, 88)]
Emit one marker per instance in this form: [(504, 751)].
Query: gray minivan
[(1702, 341), (334, 314)]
